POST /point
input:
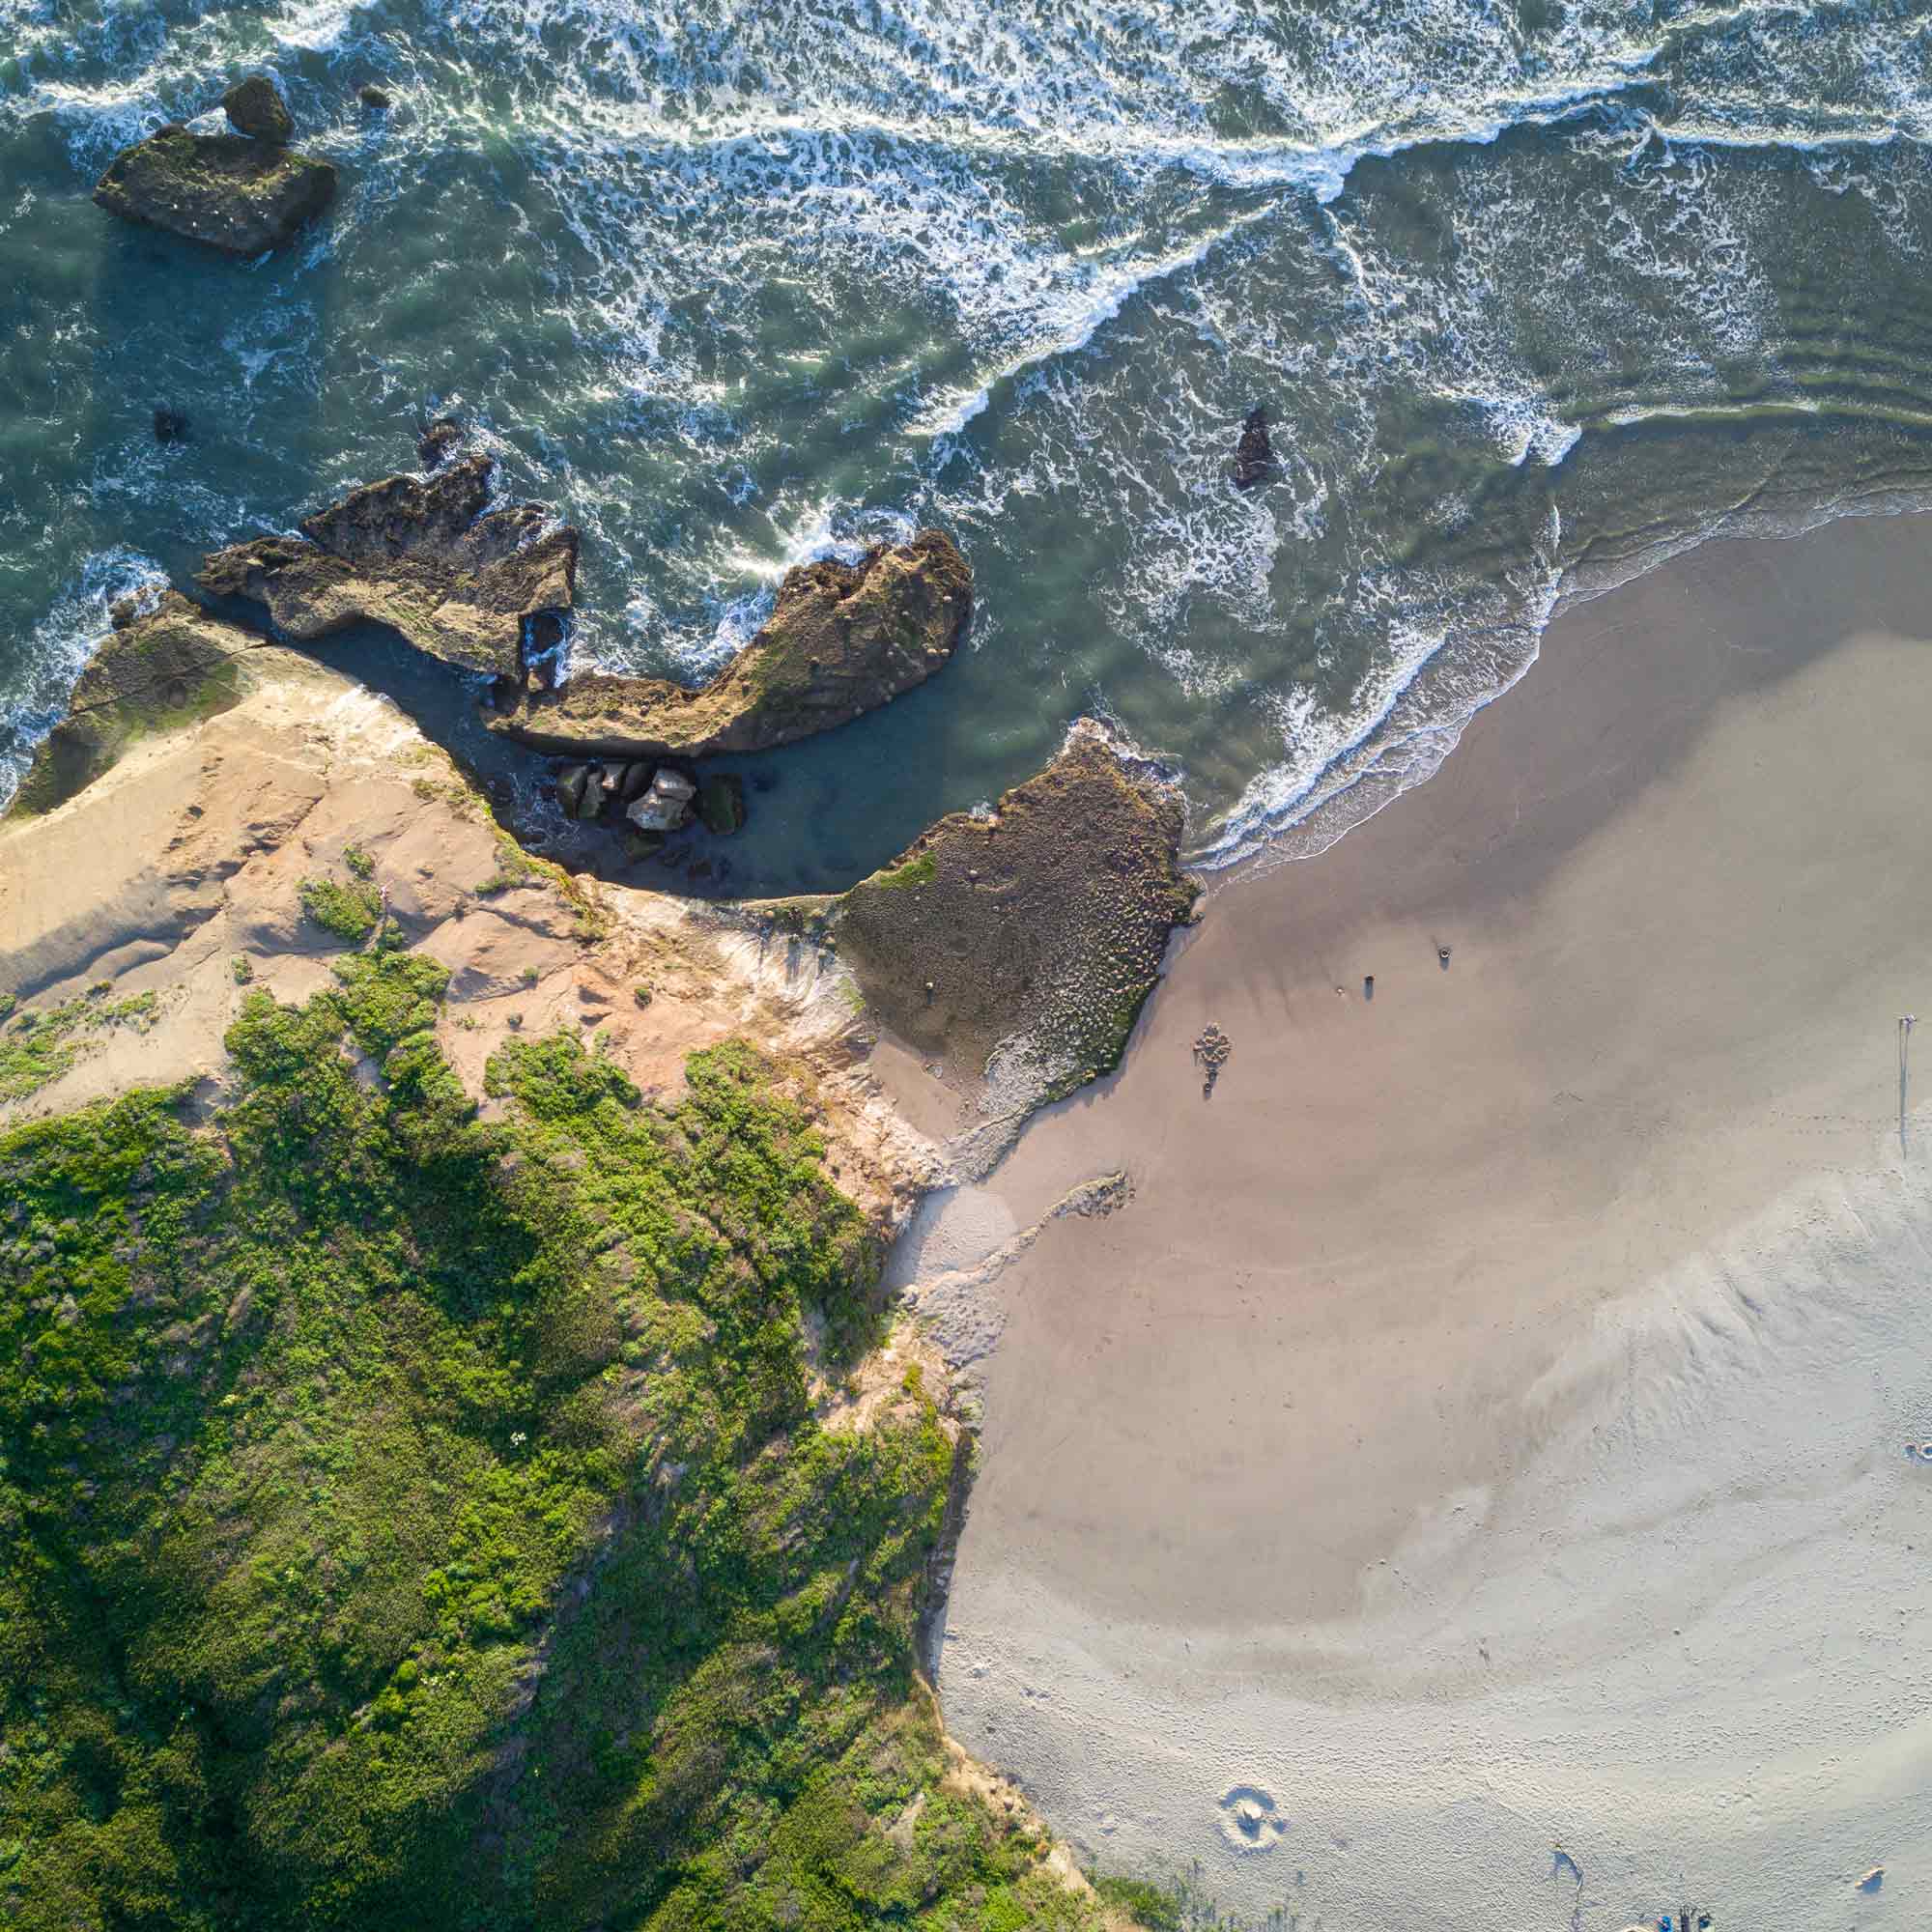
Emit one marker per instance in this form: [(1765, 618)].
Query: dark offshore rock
[(255, 107), (375, 98), (234, 194), (842, 640), (170, 426), (1017, 948), (153, 671), (422, 555), (1253, 454)]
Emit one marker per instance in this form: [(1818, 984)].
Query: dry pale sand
[(1482, 1428)]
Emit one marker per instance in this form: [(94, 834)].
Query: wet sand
[(1482, 1426)]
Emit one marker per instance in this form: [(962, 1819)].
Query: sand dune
[(1477, 1445)]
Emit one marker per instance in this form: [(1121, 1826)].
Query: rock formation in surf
[(1018, 948), (232, 191), (156, 670), (1253, 454), (842, 640), (421, 555), (255, 107)]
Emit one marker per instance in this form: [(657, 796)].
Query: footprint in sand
[(1249, 1820)]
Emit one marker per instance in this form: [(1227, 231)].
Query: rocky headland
[(425, 556), (548, 1214), (164, 664), (842, 640), (1014, 950)]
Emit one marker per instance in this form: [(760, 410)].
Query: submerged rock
[(255, 107), (720, 803), (170, 426), (1253, 454), (842, 640), (235, 193), (153, 671), (421, 556), (1017, 948), (375, 98)]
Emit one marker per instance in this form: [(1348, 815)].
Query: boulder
[(720, 803), (842, 639), (666, 805), (234, 194), (632, 779), (375, 98), (421, 555), (572, 782), (153, 671), (255, 107), (1253, 454)]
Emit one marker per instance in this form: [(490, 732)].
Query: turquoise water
[(1534, 293)]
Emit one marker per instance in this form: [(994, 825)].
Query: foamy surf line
[(1287, 813)]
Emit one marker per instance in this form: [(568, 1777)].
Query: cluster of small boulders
[(650, 801), (1212, 1048)]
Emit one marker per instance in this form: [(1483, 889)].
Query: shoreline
[(1289, 1406)]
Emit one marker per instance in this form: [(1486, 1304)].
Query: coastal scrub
[(409, 1519)]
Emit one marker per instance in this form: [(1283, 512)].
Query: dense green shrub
[(411, 1520)]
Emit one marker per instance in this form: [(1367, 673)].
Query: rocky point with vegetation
[(456, 1468)]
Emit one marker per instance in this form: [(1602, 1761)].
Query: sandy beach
[(1465, 1482)]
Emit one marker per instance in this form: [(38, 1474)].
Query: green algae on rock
[(842, 640), (1017, 947), (422, 555), (155, 671), (234, 194), (255, 107)]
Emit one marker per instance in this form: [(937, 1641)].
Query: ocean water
[(1535, 292)]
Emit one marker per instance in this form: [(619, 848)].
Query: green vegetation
[(38, 1044), (921, 870), (351, 913), (244, 969), (408, 1521), (360, 865)]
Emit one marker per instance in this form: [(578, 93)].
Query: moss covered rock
[(422, 555), (842, 640), (1018, 948), (255, 107), (152, 672), (232, 192)]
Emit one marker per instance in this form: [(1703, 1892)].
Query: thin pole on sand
[(1906, 1022)]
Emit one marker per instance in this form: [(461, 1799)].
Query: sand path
[(1482, 1428)]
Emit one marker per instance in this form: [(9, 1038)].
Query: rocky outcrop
[(1017, 948), (842, 640), (1253, 454), (255, 107), (421, 555), (232, 192), (156, 670)]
